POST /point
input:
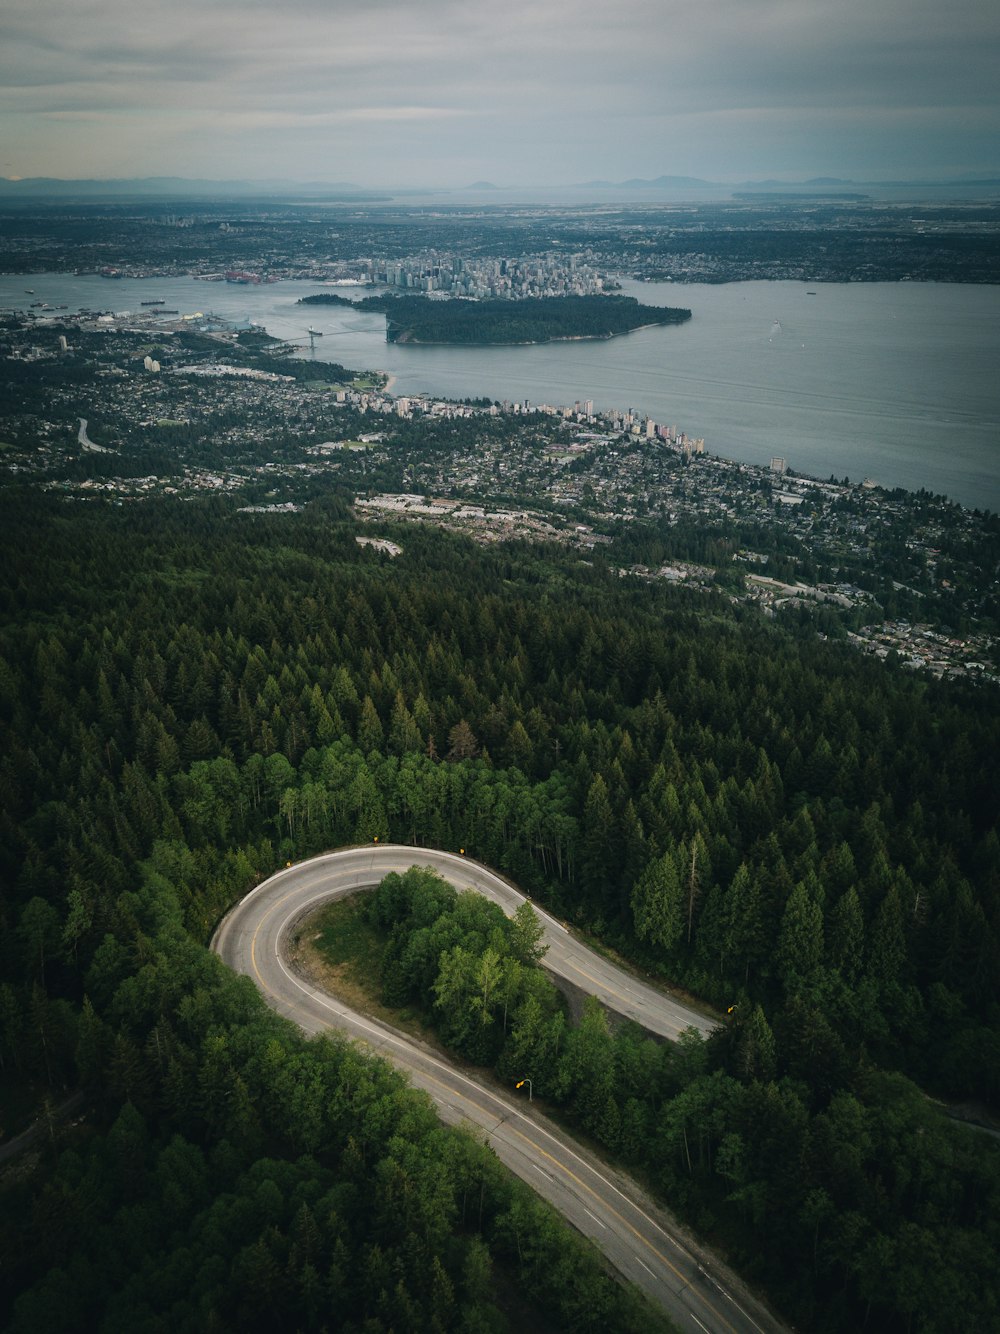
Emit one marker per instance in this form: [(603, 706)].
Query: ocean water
[(899, 382)]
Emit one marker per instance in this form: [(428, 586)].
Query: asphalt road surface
[(635, 1236)]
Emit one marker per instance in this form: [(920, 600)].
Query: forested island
[(414, 319), (325, 299)]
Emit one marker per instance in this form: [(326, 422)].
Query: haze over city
[(441, 94)]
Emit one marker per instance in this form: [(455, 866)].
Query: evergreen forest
[(415, 319), (801, 836)]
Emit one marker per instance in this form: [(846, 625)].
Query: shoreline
[(541, 342), (838, 438)]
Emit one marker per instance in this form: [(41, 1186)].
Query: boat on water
[(160, 302), (314, 333)]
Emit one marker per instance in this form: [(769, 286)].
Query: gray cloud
[(565, 89)]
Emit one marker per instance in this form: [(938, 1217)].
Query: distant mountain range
[(838, 183), (697, 183), (658, 183), (180, 187), (815, 183)]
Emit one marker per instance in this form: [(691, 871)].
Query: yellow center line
[(624, 1221), (260, 926), (597, 983), (601, 1202)]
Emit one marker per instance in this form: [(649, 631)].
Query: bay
[(893, 381)]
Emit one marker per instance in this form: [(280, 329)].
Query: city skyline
[(442, 95)]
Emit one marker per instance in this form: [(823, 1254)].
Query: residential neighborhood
[(121, 407)]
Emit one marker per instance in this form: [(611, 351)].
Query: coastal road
[(636, 1237)]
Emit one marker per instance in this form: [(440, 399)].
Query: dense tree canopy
[(414, 319), (190, 696)]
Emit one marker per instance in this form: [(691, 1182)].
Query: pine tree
[(658, 903), (800, 941)]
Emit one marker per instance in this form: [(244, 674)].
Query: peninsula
[(497, 322)]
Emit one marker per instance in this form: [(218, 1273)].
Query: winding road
[(638, 1238), (86, 441)]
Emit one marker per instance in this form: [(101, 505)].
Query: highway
[(635, 1236)]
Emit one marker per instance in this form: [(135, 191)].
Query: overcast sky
[(447, 92)]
